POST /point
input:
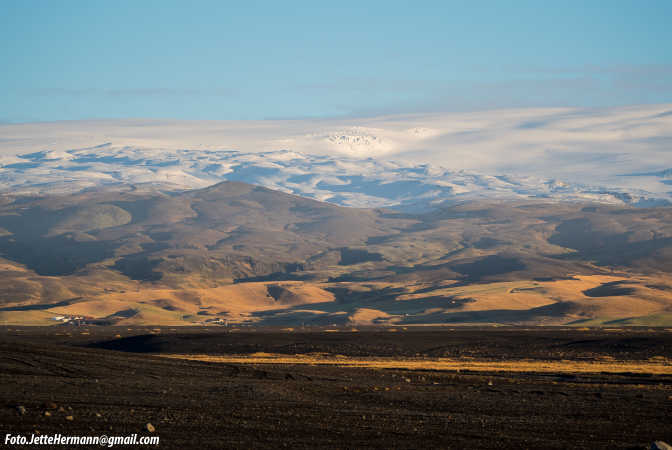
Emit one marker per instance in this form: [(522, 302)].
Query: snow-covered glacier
[(339, 179)]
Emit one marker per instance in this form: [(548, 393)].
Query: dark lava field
[(103, 380)]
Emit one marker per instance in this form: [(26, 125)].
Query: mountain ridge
[(239, 253)]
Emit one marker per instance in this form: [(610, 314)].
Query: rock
[(47, 414), (99, 415), (660, 445), (21, 410), (149, 427), (69, 418)]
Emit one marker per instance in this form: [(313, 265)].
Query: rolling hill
[(237, 253)]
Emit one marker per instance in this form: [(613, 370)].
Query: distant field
[(296, 303)]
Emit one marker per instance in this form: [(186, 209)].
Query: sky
[(71, 60)]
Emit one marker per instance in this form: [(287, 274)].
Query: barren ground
[(114, 380)]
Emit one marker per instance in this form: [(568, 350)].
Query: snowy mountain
[(615, 155), (340, 180)]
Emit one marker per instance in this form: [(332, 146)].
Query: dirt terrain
[(113, 380)]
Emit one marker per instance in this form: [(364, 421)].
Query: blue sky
[(64, 60)]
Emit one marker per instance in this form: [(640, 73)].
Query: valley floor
[(115, 380)]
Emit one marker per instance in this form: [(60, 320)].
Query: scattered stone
[(660, 445), (260, 374), (149, 427), (21, 410), (47, 414), (489, 382), (69, 418), (61, 409), (99, 414)]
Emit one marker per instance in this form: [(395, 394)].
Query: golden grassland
[(127, 302), (656, 365)]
